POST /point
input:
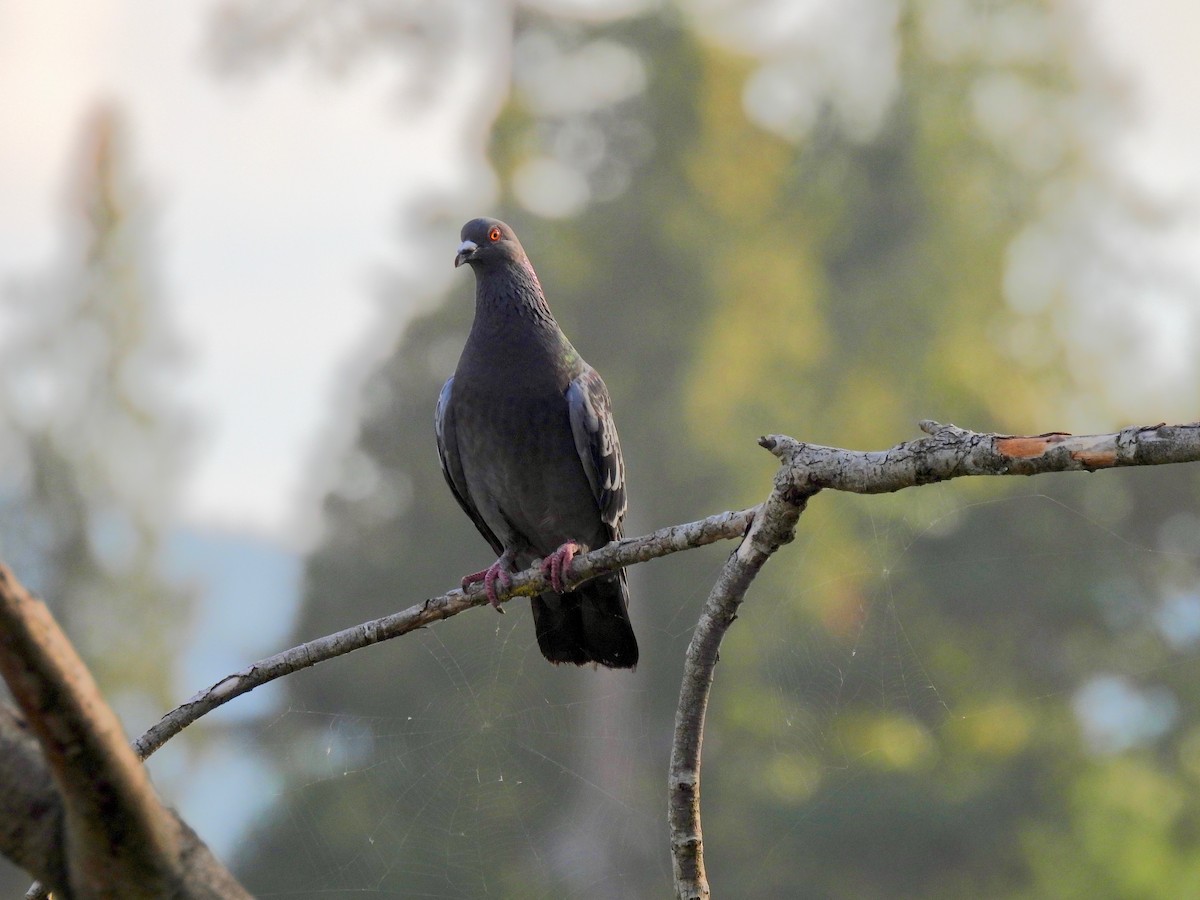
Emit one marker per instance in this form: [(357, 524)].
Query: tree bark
[(96, 827)]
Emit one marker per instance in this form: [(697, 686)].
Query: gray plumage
[(527, 444)]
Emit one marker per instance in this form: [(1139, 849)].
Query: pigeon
[(527, 443)]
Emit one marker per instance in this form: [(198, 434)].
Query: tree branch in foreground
[(948, 452), (81, 813), (31, 826)]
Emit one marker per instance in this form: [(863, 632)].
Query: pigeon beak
[(465, 251)]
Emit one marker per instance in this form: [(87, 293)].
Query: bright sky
[(1155, 42), (279, 205)]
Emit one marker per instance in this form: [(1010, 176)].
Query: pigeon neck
[(510, 300)]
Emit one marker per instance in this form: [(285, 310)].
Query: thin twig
[(613, 556)]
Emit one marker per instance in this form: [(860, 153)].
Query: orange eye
[(494, 234)]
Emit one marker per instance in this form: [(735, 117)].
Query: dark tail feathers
[(588, 625)]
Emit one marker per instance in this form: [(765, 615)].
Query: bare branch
[(948, 452), (112, 814), (773, 526), (95, 784), (613, 556), (952, 452), (109, 833)]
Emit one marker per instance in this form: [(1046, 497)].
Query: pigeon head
[(487, 243)]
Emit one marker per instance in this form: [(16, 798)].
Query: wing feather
[(447, 447), (599, 448)]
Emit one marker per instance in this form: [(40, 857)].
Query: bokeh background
[(226, 231)]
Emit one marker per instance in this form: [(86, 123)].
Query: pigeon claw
[(558, 564), (497, 571)]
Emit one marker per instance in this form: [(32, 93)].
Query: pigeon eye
[(494, 234)]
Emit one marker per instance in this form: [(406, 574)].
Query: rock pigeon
[(526, 440)]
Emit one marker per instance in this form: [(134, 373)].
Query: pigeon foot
[(497, 571), (558, 563)]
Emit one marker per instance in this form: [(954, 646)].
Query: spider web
[(482, 770)]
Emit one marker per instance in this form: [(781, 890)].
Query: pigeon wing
[(596, 441), (447, 447)]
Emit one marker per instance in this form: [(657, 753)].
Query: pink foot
[(497, 571), (558, 563)]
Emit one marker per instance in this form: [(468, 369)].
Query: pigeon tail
[(587, 625)]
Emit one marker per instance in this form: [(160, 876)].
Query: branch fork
[(806, 469)]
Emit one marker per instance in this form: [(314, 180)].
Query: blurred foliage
[(830, 228)]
